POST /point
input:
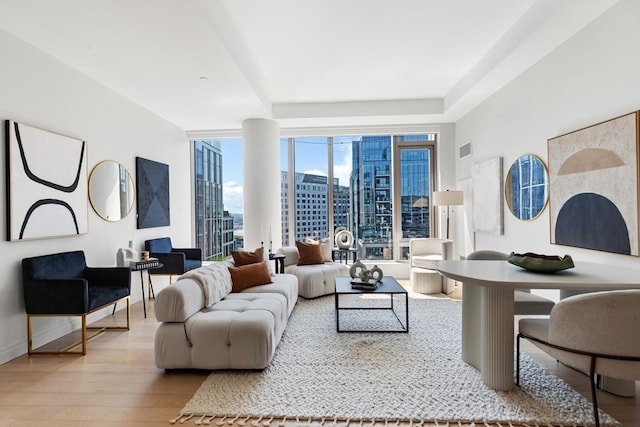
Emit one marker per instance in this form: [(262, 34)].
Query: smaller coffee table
[(387, 286)]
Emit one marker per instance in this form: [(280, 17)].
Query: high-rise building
[(310, 206), (341, 205), (372, 202), (214, 226)]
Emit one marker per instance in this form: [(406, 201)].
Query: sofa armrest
[(178, 302), (56, 296), (190, 253), (291, 255)]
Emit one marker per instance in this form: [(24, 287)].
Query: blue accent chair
[(175, 260), (62, 285)]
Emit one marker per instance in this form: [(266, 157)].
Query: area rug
[(319, 376)]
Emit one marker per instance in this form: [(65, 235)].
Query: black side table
[(278, 260), (148, 265)]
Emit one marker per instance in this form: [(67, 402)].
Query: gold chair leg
[(83, 330), (29, 334)]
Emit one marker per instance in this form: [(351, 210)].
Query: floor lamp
[(447, 198)]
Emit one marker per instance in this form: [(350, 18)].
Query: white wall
[(38, 90), (592, 77)]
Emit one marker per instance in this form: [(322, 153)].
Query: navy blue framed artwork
[(152, 180), (46, 183), (594, 190)]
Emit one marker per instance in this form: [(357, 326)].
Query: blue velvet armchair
[(174, 260), (62, 285)]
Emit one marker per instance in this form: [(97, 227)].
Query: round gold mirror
[(527, 187), (111, 190)]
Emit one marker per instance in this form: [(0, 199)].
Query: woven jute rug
[(321, 377)]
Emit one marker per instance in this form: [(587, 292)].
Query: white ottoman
[(426, 281)]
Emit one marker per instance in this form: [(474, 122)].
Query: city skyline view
[(311, 158)]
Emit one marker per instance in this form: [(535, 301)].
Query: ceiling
[(206, 65)]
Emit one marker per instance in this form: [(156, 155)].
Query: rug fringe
[(282, 421)]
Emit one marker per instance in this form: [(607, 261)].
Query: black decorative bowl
[(541, 263)]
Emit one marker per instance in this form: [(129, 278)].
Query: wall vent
[(465, 150)]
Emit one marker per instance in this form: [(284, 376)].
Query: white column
[(261, 183)]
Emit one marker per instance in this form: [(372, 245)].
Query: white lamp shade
[(448, 198)]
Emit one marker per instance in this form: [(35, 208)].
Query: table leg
[(337, 313), (406, 309), (497, 308), (152, 294), (144, 304), (471, 325)]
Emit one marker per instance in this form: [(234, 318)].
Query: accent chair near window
[(175, 261)]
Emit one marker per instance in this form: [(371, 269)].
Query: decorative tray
[(541, 263)]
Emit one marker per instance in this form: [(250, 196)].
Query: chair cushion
[(159, 245), (426, 261), (192, 264), (530, 304)]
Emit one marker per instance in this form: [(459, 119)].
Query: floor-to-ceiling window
[(414, 154), (361, 184), (377, 186)]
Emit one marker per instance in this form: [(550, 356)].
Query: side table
[(278, 260), (148, 265), (345, 252)]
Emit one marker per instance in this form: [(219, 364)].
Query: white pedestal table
[(488, 307)]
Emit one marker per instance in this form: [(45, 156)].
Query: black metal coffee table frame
[(388, 286)]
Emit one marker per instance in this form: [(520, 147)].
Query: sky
[(311, 157)]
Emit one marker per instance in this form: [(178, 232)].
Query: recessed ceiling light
[(204, 78)]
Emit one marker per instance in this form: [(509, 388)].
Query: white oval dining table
[(488, 306)]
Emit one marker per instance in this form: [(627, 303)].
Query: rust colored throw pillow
[(249, 275), (241, 258), (310, 253)]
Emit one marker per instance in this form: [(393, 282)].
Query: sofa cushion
[(283, 284), (249, 275), (317, 280), (241, 258), (309, 253)]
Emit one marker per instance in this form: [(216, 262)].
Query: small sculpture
[(359, 270), (344, 239)]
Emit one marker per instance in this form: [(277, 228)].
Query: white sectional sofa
[(313, 280), (207, 326)]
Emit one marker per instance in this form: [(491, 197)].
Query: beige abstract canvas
[(594, 178)]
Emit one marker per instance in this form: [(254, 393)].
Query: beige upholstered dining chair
[(525, 302), (597, 332)]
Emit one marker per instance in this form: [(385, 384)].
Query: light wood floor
[(117, 384)]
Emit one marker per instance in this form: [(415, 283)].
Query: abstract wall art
[(152, 180), (46, 183), (488, 196), (594, 179)]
